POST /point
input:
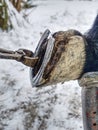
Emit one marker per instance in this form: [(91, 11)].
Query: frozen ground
[(53, 107)]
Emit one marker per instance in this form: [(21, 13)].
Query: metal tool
[(22, 55)]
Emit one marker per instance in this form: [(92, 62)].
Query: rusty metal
[(27, 57), (22, 55), (90, 108), (89, 84)]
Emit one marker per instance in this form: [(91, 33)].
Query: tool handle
[(6, 51), (22, 55), (10, 56)]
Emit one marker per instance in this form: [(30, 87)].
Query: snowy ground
[(53, 107)]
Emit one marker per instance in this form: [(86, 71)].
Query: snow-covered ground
[(55, 107)]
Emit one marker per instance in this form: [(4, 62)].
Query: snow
[(55, 107)]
